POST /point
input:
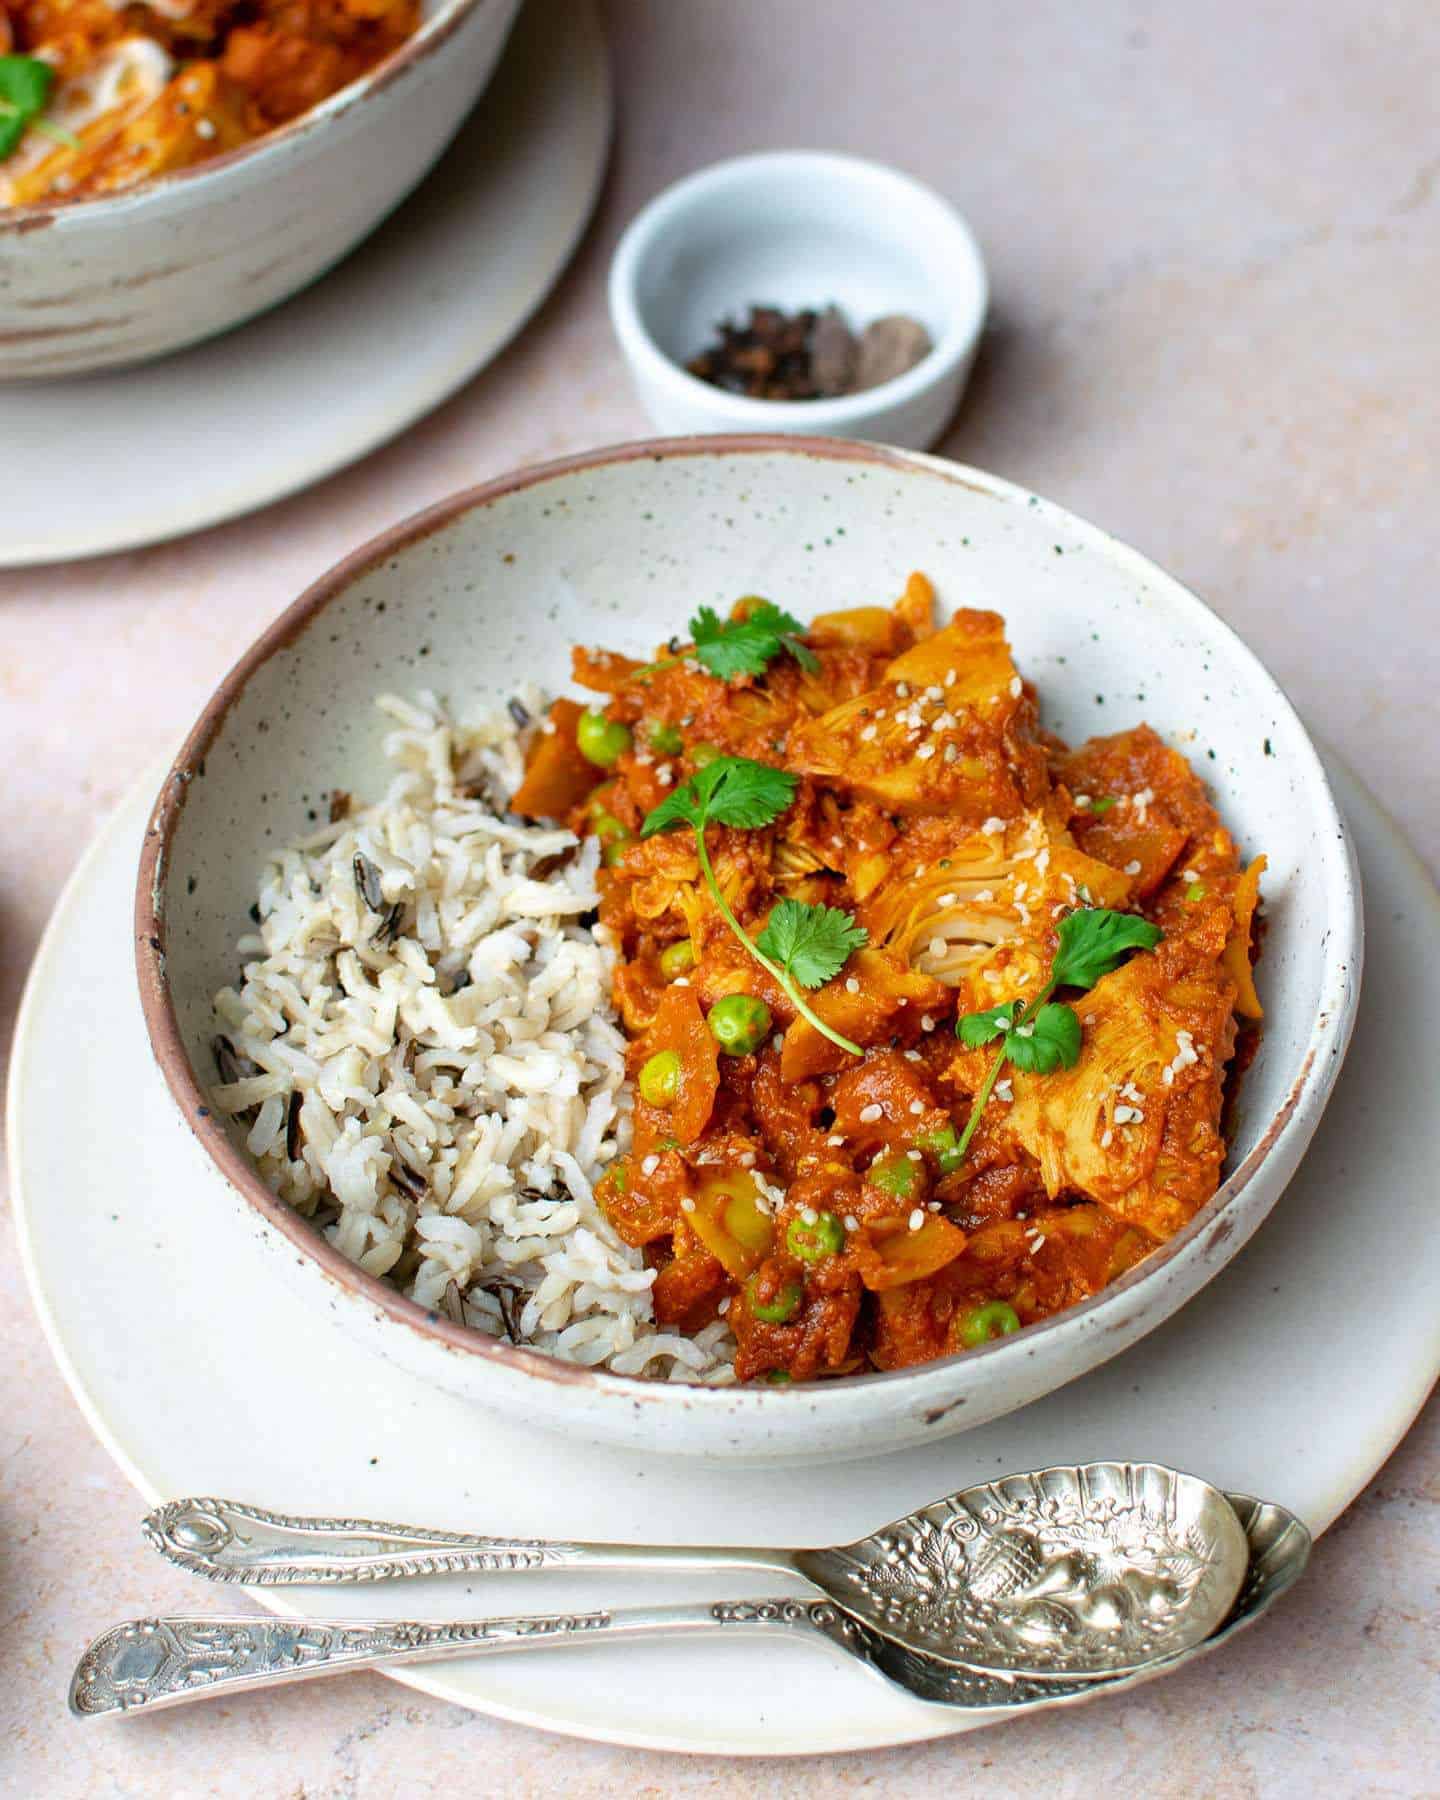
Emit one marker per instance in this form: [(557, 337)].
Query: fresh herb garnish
[(1039, 1037), (747, 795), (731, 647), (1103, 804), (812, 943), (25, 84), (1042, 1042)]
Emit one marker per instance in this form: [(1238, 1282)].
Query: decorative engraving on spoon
[(226, 1541), (1069, 1571)]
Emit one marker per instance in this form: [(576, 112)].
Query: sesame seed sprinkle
[(917, 1218), (650, 1164), (869, 1114)]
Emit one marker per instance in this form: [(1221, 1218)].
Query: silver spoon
[(1074, 1573), (155, 1663)]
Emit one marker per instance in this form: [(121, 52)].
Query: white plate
[(201, 1375), (418, 309)]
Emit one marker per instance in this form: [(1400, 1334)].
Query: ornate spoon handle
[(153, 1663), (224, 1540)]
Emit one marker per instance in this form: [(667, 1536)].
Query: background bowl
[(617, 547), (98, 283), (797, 229)]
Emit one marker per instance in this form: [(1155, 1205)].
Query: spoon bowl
[(1075, 1572)]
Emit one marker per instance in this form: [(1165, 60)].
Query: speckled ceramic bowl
[(618, 546), (98, 283)]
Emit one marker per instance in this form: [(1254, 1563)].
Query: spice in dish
[(808, 355)]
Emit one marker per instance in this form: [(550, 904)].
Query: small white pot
[(96, 283), (797, 229)]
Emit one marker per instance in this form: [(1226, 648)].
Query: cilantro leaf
[(1045, 1042), (732, 790), (1094, 942), (731, 647), (812, 942), (25, 83), (979, 1028), (735, 791), (1038, 1038), (1103, 804)]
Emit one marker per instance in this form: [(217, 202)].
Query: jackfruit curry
[(929, 1015), (99, 95)]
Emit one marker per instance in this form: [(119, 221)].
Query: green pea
[(944, 1146), (660, 1079), (826, 1237), (613, 836), (779, 1311), (981, 1323), (677, 959), (896, 1174), (664, 738), (739, 1023), (600, 740), (702, 755)]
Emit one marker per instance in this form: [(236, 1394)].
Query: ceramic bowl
[(618, 546), (796, 229), (98, 283)]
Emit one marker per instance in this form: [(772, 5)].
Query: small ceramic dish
[(797, 229), (95, 284), (490, 589)]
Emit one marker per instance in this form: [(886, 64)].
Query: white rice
[(450, 1136)]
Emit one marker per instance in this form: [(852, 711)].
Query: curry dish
[(930, 1016), (124, 93)]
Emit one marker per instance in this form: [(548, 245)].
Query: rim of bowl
[(432, 33), (957, 342), (1320, 1057)]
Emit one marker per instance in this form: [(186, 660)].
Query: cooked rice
[(459, 1065)]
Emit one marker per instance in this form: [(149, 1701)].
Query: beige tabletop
[(1212, 233)]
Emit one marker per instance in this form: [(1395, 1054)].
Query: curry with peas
[(929, 1015), (97, 96)]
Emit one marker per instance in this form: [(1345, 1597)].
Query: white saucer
[(1292, 1376), (418, 309)]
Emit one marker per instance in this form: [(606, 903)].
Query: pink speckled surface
[(1212, 236)]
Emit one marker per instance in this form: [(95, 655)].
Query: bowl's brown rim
[(163, 1025), (430, 36)]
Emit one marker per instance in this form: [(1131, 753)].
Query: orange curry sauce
[(933, 807), (144, 90)]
